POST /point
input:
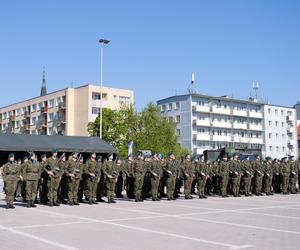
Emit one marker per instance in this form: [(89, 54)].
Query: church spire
[(44, 88)]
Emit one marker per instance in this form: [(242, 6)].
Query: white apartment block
[(209, 123), (67, 111), (280, 126)]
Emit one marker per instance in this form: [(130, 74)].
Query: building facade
[(209, 123), (280, 126), (297, 107), (66, 112)]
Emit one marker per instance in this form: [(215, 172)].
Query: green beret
[(11, 155), (43, 156)]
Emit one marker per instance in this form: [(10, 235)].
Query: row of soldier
[(57, 179)]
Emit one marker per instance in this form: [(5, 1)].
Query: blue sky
[(155, 46)]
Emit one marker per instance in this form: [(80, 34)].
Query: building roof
[(46, 143), (223, 98)]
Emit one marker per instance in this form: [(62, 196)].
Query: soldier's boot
[(109, 200), (7, 206), (90, 202), (76, 203), (113, 201), (186, 197), (28, 204), (94, 202), (70, 203), (50, 204), (12, 206), (140, 199), (56, 204), (32, 204)]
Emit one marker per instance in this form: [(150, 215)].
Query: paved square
[(268, 222)]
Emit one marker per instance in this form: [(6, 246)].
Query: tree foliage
[(147, 129)]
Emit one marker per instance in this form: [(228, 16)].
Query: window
[(282, 124), (17, 124), (115, 98), (123, 99), (276, 123), (178, 132), (95, 96), (178, 118), (270, 148), (51, 117), (18, 112), (163, 108), (282, 112), (170, 119), (23, 110), (270, 135), (283, 149), (277, 136), (177, 105), (58, 101), (51, 103), (33, 121), (276, 112), (170, 106), (95, 111), (270, 123), (269, 111), (283, 136), (33, 108)]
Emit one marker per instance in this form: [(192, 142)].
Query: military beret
[(268, 158), (171, 153), (43, 156), (25, 158), (11, 155), (99, 157), (54, 150), (31, 154), (284, 158)]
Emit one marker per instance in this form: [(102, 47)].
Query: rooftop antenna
[(255, 86), (191, 88)]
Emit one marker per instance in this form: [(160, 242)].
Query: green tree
[(147, 129)]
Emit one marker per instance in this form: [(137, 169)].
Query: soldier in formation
[(55, 179)]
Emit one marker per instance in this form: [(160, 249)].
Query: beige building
[(67, 111)]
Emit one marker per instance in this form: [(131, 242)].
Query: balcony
[(62, 105), (240, 125), (255, 114), (203, 137), (221, 124), (222, 138), (221, 111), (200, 108), (27, 114), (44, 110), (12, 118), (239, 112), (255, 127), (290, 118), (201, 123), (256, 140), (241, 139)]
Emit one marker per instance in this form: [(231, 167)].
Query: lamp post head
[(104, 41)]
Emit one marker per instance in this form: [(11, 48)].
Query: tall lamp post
[(102, 43)]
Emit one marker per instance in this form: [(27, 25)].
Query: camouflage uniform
[(202, 173)]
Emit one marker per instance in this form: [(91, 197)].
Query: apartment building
[(280, 126), (208, 122), (66, 112)]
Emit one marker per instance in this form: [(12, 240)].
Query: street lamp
[(102, 43)]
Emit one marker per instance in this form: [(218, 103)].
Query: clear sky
[(155, 46)]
